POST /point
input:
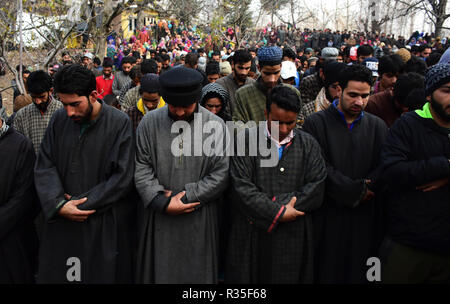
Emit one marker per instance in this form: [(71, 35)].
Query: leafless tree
[(435, 10)]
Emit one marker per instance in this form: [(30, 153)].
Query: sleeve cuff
[(57, 208), (275, 220), (160, 203), (363, 193)]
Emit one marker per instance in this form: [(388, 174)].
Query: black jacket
[(416, 152)]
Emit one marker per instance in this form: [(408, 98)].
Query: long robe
[(263, 250), (347, 232), (18, 207), (97, 164), (182, 248)]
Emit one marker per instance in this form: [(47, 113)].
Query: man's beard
[(440, 110), (85, 117), (126, 72), (43, 105), (240, 77), (328, 95)]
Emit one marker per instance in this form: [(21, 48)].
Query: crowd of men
[(110, 165)]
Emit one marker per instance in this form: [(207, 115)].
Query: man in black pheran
[(348, 226), (84, 173)]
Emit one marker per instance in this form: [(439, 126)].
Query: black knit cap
[(181, 86)]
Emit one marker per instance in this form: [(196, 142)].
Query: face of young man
[(354, 99), (213, 105), (107, 71), (166, 64), (213, 78), (78, 108), (388, 80), (270, 75), (286, 120), (41, 100), (159, 65), (151, 100), (362, 57), (182, 113), (240, 71), (426, 53), (215, 58), (334, 91), (87, 62), (126, 68), (440, 102)]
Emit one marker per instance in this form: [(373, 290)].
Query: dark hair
[(212, 68), (135, 72), (423, 47), (416, 65), (215, 53), (149, 66), (108, 62), (128, 59), (285, 98), (39, 82), (136, 55), (433, 59), (364, 50), (415, 48), (191, 59), (241, 56), (288, 52), (405, 84), (97, 61), (150, 84), (165, 57), (159, 59), (111, 100), (355, 72), (74, 79), (416, 99), (390, 64)]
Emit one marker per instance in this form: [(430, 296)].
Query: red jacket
[(104, 86)]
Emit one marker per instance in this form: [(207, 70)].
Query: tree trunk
[(19, 79), (438, 26), (102, 46)]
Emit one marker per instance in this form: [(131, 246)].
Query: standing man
[(416, 163), (87, 61), (241, 63), (105, 82), (18, 208), (150, 100), (348, 225), (251, 99), (84, 173), (180, 188), (271, 239), (32, 120), (122, 78)]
